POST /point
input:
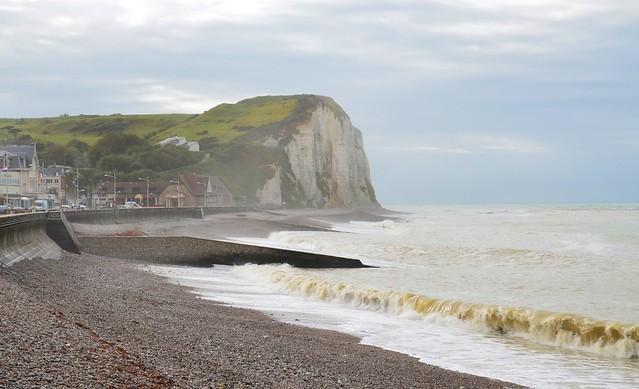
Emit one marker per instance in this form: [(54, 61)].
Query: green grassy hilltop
[(225, 122), (230, 138)]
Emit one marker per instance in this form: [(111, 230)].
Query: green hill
[(88, 128), (225, 122)]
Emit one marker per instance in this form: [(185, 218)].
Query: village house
[(19, 174), (53, 182), (218, 195), (190, 190), (127, 191), (180, 141)]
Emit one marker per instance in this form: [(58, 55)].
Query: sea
[(541, 295)]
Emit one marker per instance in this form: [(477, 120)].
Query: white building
[(20, 172), (181, 142)]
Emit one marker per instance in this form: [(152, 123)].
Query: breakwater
[(182, 250)]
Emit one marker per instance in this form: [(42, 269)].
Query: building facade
[(190, 190), (53, 183), (218, 195), (127, 191), (20, 175)]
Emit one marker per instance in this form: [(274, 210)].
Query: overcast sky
[(460, 101)]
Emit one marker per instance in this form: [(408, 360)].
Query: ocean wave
[(384, 253), (559, 329)]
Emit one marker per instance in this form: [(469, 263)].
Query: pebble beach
[(88, 321)]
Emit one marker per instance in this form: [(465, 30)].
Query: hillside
[(292, 150), (224, 122)]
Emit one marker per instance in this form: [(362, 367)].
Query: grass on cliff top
[(225, 122), (88, 128), (229, 121)]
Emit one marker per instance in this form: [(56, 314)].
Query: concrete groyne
[(182, 250), (26, 236)]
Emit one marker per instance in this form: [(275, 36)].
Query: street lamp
[(115, 193), (178, 190), (147, 189), (5, 172)]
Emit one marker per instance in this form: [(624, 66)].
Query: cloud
[(429, 39), (511, 145), (161, 97), (362, 44), (421, 149), (464, 145)]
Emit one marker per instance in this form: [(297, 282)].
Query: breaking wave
[(559, 329)]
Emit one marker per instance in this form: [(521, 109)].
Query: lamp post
[(77, 187), (5, 172), (115, 193), (147, 189), (178, 190)]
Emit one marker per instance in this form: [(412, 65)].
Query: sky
[(459, 101)]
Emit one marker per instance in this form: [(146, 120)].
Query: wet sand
[(87, 321)]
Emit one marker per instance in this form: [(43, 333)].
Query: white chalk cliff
[(327, 166)]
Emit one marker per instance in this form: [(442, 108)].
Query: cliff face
[(325, 164)]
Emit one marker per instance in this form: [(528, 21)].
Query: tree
[(56, 154), (113, 144), (13, 131), (80, 146), (25, 140), (121, 163)]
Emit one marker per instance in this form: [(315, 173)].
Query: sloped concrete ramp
[(24, 236)]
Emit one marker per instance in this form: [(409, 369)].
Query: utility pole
[(77, 187), (5, 171), (147, 189), (178, 191), (115, 193)]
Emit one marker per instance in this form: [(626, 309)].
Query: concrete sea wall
[(181, 250), (48, 234), (110, 216), (25, 236)]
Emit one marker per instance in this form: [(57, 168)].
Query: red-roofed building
[(190, 190)]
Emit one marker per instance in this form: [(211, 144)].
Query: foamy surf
[(435, 339), (558, 329)]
